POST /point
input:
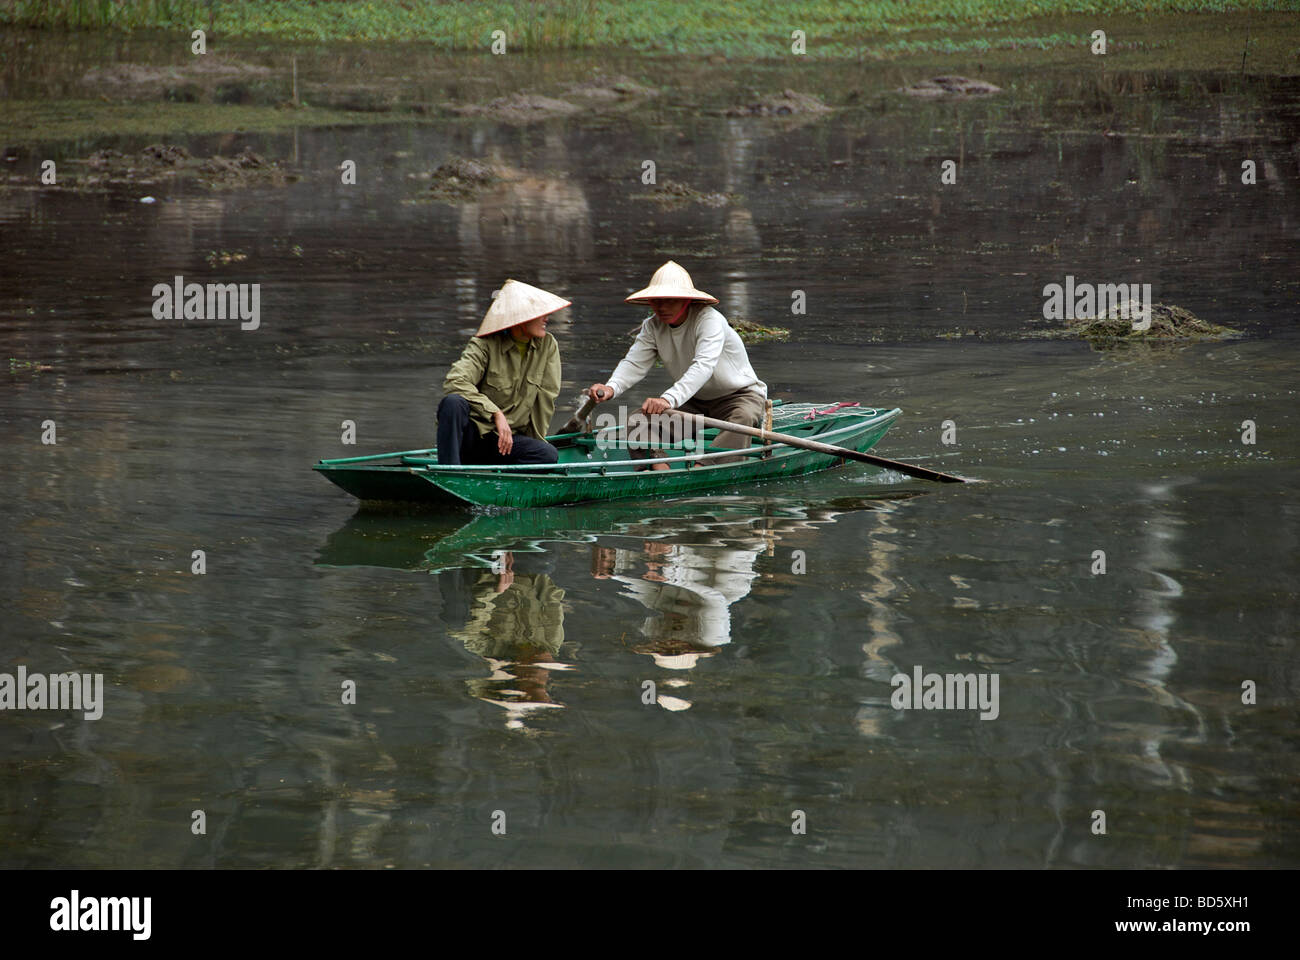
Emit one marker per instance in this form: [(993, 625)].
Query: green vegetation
[(1168, 324), (224, 257), (94, 14), (151, 86), (751, 332), (832, 27), (31, 366), (85, 121)]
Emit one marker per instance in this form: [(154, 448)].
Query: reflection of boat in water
[(437, 542), (685, 562)]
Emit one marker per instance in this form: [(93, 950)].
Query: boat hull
[(415, 476)]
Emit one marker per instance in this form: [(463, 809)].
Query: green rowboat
[(596, 466)]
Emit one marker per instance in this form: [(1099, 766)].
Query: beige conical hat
[(670, 281), (518, 303)]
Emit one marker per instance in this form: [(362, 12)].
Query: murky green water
[(500, 661)]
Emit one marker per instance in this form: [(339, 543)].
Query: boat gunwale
[(594, 467)]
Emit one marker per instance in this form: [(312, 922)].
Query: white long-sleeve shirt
[(703, 354)]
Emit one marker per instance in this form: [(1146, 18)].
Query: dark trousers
[(459, 440)]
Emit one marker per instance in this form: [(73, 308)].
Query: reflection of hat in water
[(671, 281), (518, 303)]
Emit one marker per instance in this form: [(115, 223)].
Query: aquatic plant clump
[(1168, 322), (32, 366), (749, 331), (670, 194), (784, 104)]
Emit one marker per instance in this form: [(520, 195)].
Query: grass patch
[(833, 28)]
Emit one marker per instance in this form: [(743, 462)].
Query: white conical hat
[(518, 303), (670, 281)]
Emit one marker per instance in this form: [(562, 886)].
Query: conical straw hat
[(673, 282), (518, 303)]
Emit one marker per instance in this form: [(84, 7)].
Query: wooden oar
[(576, 422), (818, 447)]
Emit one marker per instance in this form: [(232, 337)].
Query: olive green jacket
[(493, 377)]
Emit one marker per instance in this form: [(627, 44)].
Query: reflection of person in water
[(691, 588), (514, 621)]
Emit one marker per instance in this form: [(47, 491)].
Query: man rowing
[(501, 392), (702, 353)]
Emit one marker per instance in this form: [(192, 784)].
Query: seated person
[(501, 392)]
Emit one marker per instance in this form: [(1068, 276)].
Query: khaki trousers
[(745, 407)]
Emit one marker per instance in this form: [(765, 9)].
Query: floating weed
[(30, 366)]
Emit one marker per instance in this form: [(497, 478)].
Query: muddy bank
[(609, 90), (593, 95), (515, 108), (200, 78), (949, 88), (208, 80), (787, 103), (159, 163), (130, 74), (62, 88), (459, 180)]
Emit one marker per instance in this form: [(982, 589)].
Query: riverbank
[(78, 85)]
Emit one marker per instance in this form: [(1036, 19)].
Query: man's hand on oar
[(594, 394), (576, 423)]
